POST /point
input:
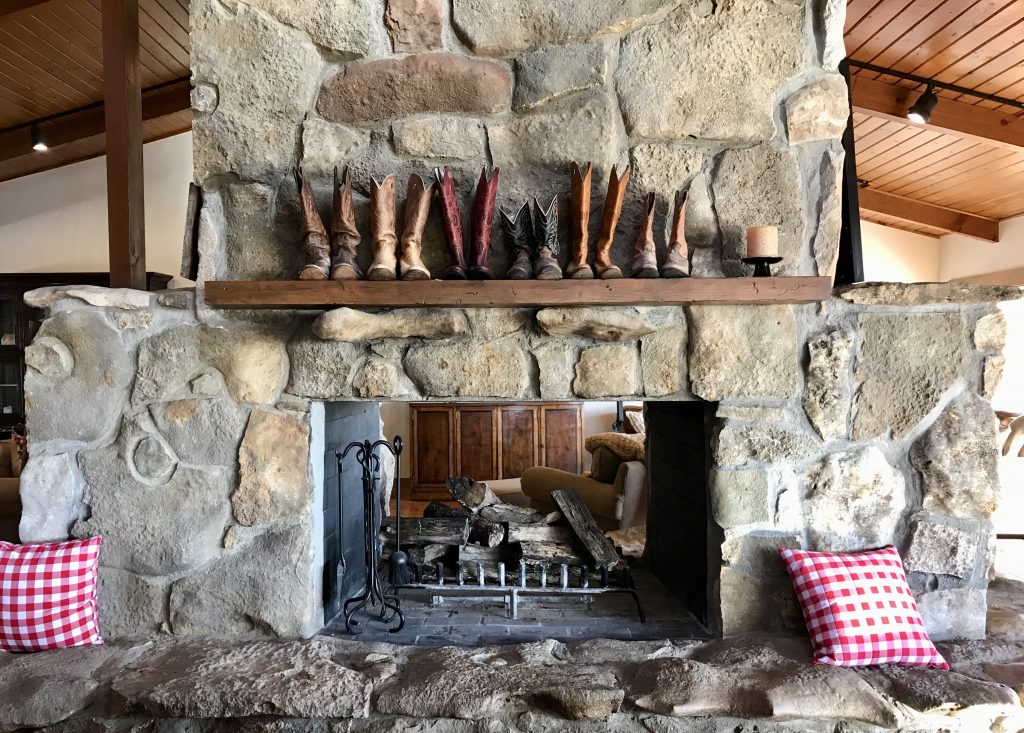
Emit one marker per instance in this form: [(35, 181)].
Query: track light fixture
[(38, 139), (921, 111)]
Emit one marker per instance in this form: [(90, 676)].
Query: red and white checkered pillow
[(48, 595), (859, 609)]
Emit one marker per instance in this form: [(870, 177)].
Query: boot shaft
[(417, 210), (645, 261), (448, 199), (609, 219), (315, 246), (382, 223), (481, 225), (579, 221), (345, 237), (677, 260)]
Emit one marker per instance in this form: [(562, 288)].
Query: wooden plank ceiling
[(953, 163), (51, 70)]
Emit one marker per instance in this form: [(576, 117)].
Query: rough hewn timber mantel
[(514, 293)]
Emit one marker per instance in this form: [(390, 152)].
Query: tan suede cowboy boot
[(645, 259), (345, 236), (315, 246), (382, 221), (677, 261), (417, 209), (603, 264), (579, 223)]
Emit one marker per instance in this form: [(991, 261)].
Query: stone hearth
[(755, 683)]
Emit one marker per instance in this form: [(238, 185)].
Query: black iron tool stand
[(372, 593)]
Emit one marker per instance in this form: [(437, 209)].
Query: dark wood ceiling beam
[(161, 101), (122, 106), (993, 126), (919, 212)]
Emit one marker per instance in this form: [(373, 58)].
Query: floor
[(474, 621)]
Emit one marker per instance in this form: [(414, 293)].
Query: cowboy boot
[(545, 237), (314, 237), (645, 260), (603, 264), (677, 261), (518, 237), (481, 224), (417, 209), (382, 221), (449, 201), (345, 236), (579, 223)]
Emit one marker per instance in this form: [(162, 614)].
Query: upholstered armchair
[(10, 499), (615, 491)]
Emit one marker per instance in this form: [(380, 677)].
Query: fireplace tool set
[(372, 592), (532, 238)]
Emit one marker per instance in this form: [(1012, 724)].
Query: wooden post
[(122, 95)]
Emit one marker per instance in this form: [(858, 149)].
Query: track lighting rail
[(935, 83)]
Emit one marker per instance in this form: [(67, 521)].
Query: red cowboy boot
[(481, 224), (449, 200)]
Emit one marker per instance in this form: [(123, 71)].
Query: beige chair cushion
[(604, 464)]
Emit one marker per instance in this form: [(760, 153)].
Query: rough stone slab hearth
[(598, 685)]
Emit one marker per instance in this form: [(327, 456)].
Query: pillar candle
[(763, 242)]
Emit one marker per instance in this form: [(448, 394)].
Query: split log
[(474, 495), (540, 533), (439, 510), (590, 536), (489, 557), (430, 531), (552, 553), (488, 534), (511, 513)]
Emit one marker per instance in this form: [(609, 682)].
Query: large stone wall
[(739, 101), (841, 426)]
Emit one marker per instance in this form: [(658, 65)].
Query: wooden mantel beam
[(939, 217), (993, 126), (122, 104)]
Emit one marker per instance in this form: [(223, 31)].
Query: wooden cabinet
[(492, 441)]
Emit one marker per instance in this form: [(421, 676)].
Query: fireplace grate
[(567, 584)]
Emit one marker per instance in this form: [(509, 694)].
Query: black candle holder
[(762, 265)]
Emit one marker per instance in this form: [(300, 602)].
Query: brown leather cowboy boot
[(315, 246), (518, 233), (449, 200), (603, 264), (579, 223), (677, 261), (417, 209), (481, 224), (545, 240), (645, 260), (345, 236), (382, 221)]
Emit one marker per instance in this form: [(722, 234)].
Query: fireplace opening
[(521, 521)]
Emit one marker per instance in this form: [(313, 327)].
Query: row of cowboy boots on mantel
[(533, 239)]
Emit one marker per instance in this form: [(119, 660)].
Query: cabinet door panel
[(520, 440), (563, 437), (476, 449), (433, 458)]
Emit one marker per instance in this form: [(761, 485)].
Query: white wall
[(597, 418), (962, 256), (56, 221), (893, 255)]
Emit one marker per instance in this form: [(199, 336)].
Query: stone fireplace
[(193, 438)]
